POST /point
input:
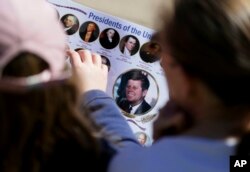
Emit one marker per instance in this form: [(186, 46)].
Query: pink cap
[(32, 26)]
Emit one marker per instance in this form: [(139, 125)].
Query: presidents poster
[(136, 80)]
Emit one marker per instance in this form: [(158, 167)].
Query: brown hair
[(210, 39), (32, 122)]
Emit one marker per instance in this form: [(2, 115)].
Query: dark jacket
[(68, 155), (143, 108), (72, 30), (92, 38), (107, 44)]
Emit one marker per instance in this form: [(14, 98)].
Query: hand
[(89, 70)]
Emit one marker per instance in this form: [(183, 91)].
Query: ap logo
[(239, 163)]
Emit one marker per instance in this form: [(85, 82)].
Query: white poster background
[(120, 63)]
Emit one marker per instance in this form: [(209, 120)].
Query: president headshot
[(150, 52), (129, 45), (109, 38), (70, 23), (131, 92), (89, 31)]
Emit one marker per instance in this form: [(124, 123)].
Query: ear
[(144, 93)]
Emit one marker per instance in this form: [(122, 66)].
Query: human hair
[(139, 75), (92, 24), (125, 40), (73, 17), (143, 134), (134, 74), (84, 29), (130, 36), (210, 41), (150, 52), (110, 29), (33, 123), (106, 61)]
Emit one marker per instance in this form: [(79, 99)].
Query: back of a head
[(38, 98), (36, 123), (31, 47), (33, 27), (210, 40)]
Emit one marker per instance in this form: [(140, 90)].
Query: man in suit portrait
[(106, 61), (142, 138), (132, 95), (70, 23), (109, 38), (130, 45), (150, 52), (90, 32)]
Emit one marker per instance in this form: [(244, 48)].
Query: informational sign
[(136, 80)]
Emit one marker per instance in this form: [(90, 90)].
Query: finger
[(86, 56), (97, 60), (75, 59)]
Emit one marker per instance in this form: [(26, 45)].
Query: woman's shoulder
[(71, 155)]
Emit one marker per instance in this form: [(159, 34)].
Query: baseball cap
[(31, 26)]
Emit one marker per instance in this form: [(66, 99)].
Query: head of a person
[(69, 21), (136, 87), (130, 43), (142, 138), (206, 54), (91, 27), (110, 33), (34, 85)]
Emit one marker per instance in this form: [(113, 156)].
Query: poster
[(136, 80)]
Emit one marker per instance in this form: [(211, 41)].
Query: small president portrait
[(143, 138), (70, 23), (129, 45), (150, 52), (106, 61), (136, 92), (109, 38), (89, 31)]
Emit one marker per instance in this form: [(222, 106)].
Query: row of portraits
[(109, 38), (136, 91)]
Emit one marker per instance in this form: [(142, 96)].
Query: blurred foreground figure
[(43, 124), (206, 58)]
